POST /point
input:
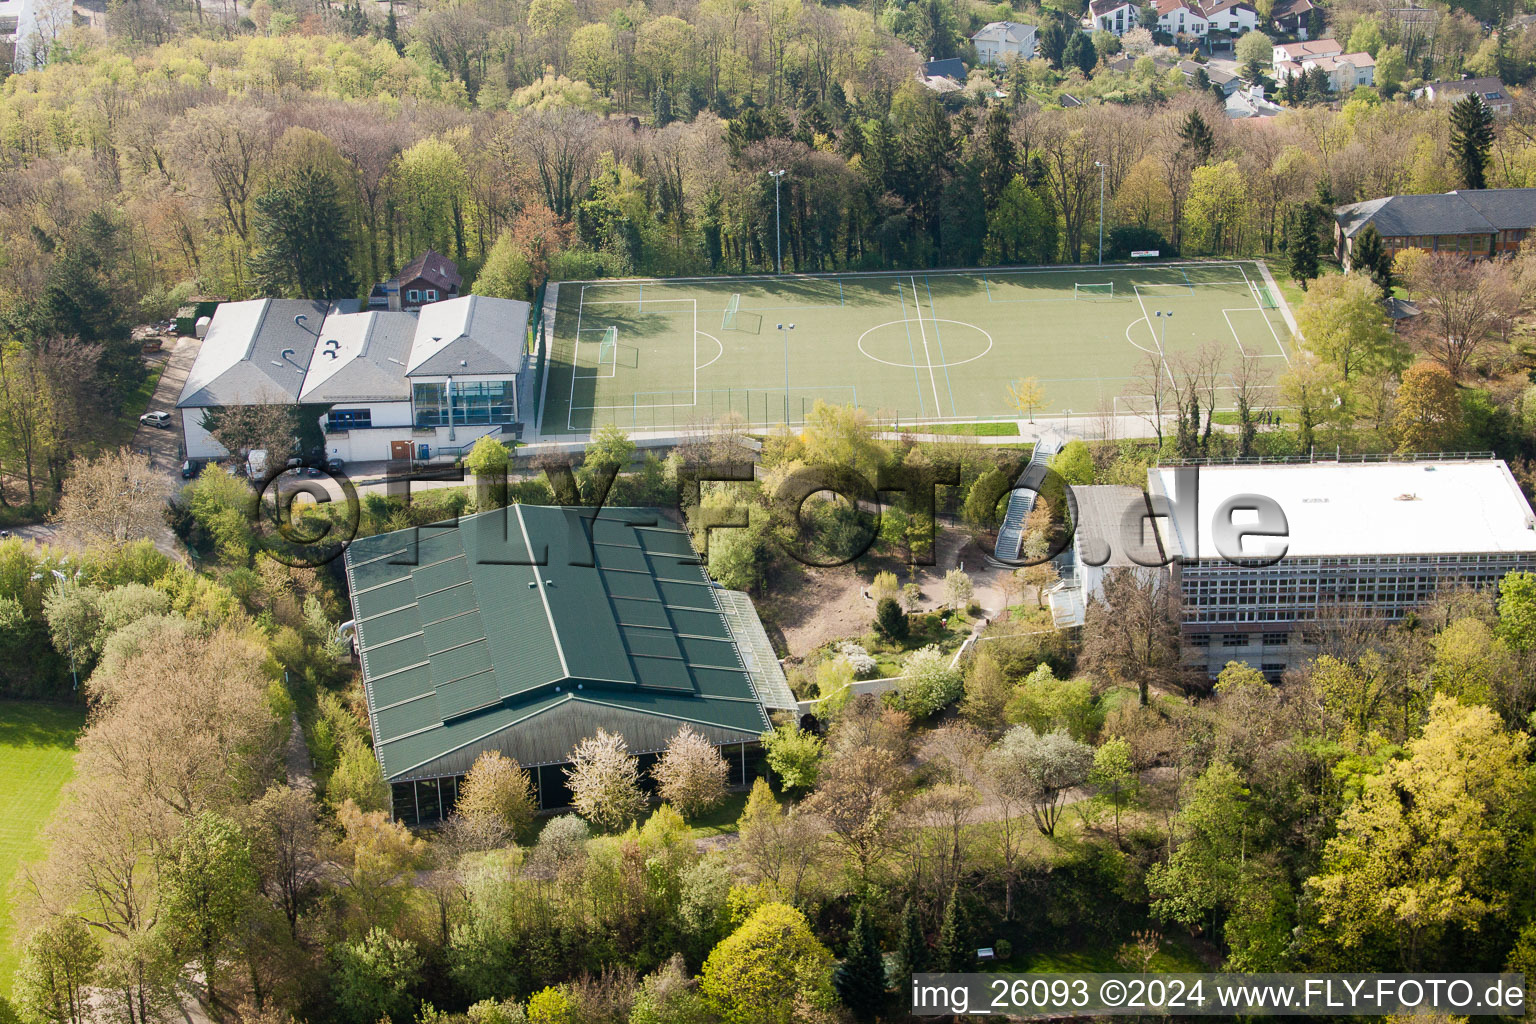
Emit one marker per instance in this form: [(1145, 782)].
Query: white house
[(1250, 103), (1115, 16), (1001, 41), (1344, 72), (1233, 16), (1181, 18), (1305, 50), (381, 384)]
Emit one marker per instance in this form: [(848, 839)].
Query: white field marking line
[(1258, 301), (1241, 350), (916, 365), (631, 405), (1130, 341), (570, 404), (716, 340), (918, 308), (1161, 355)]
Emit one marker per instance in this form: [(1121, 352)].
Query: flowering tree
[(691, 774), (605, 781)]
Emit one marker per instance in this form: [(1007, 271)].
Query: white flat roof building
[(1398, 508)]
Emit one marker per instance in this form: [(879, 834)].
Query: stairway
[(1010, 538)]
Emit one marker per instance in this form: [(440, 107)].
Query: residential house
[(1476, 222), (1117, 16), (1249, 104), (1290, 53), (1345, 71), (1292, 17), (1181, 18), (941, 76), (1490, 90), (430, 277), (382, 384), (998, 42), (1227, 82), (1231, 16), (526, 629)]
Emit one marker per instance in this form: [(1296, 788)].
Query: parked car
[(191, 467), (335, 465), (159, 419)]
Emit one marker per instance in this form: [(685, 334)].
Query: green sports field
[(918, 347), (37, 750)]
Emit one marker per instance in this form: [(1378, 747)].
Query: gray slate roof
[(525, 629), (1467, 212), (1103, 522), (255, 353), (469, 335), (1005, 31), (367, 361)]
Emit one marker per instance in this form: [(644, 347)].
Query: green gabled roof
[(519, 628)]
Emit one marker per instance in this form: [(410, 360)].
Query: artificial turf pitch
[(909, 347)]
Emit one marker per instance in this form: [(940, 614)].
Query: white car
[(156, 419)]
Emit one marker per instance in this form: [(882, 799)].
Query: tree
[(1343, 323), (58, 962), (1471, 662), (986, 692), (860, 978), (928, 683), (113, 497), (954, 952), (284, 836), (1304, 250), (1368, 255), (980, 510), (957, 589), (1427, 846), (911, 945), (1428, 416), (1075, 463), (1253, 47), (1114, 774), (605, 781), (794, 755), (496, 801), (1471, 139), (1079, 54), (1195, 135), (1026, 396), (1040, 769), (758, 972), (302, 242), (1218, 828), (691, 775), (1133, 633), (1464, 305), (885, 586), (890, 620), (1517, 610), (488, 457), (373, 977), (208, 883)]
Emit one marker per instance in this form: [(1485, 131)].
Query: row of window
[(474, 402)]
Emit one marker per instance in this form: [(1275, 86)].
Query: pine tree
[(303, 238), (1197, 137), (911, 946), (1471, 139), (954, 953), (392, 31), (1079, 53), (860, 978), (1303, 251), (1369, 256), (661, 108)]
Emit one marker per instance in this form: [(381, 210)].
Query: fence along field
[(911, 347)]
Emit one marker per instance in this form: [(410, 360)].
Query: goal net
[(728, 319), (1104, 290), (1267, 298), (607, 351)]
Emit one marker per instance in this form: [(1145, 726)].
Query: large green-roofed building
[(527, 629)]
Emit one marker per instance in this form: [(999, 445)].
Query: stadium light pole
[(778, 235), (1100, 165), (784, 330), (1162, 329)]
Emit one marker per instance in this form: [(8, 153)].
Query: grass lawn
[(970, 429), (134, 404), (37, 748)]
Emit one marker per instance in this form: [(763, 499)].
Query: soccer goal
[(1104, 290), (1266, 298), (608, 350), (728, 318)]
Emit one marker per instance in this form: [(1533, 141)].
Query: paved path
[(164, 443)]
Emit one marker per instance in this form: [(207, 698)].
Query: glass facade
[(474, 402), (348, 419)]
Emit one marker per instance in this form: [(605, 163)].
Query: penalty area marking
[(942, 364)]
